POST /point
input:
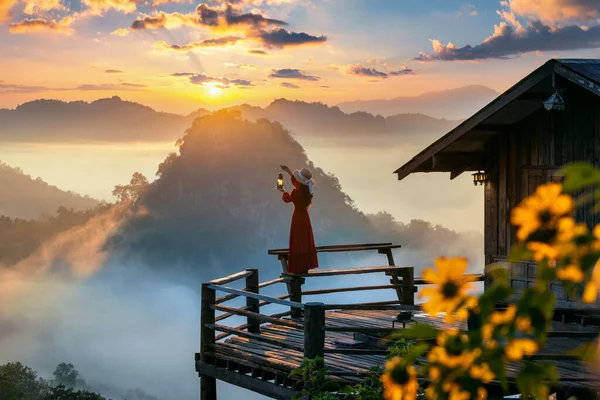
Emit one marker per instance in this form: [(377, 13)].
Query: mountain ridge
[(454, 103), (116, 120), (28, 198)]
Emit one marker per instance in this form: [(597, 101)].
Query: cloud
[(213, 42), (241, 66), (5, 7), (290, 85), (204, 79), (113, 71), (40, 24), (120, 32), (38, 6), (468, 9), (288, 73), (279, 37), (556, 10), (228, 18), (257, 52), (510, 41), (358, 69), (99, 7), (18, 88)]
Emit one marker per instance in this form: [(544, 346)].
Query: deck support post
[(314, 330), (394, 279), (208, 384), (408, 284), (252, 305), (295, 285)]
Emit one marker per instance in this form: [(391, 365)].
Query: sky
[(180, 55)]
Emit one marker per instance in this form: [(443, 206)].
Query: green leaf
[(519, 252), (579, 176), (587, 352), (418, 331)]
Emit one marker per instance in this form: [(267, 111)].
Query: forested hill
[(25, 197), (214, 207)]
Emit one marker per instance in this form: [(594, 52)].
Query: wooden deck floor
[(254, 358)]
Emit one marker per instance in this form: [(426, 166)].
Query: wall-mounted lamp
[(479, 178), (555, 102)]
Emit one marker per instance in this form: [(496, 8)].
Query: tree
[(19, 382), (131, 192), (65, 374), (61, 392)]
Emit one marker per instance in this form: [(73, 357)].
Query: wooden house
[(518, 144)]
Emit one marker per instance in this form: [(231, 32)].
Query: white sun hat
[(304, 176)]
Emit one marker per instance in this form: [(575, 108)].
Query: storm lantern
[(479, 178), (280, 181), (555, 102)]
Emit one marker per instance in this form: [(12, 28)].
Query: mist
[(123, 325)]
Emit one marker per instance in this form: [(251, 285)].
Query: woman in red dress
[(302, 252)]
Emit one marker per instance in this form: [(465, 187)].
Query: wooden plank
[(256, 336), (578, 79), (499, 103), (352, 247), (231, 278), (378, 305), (512, 187), (264, 388), (350, 271), (349, 289), (258, 316), (268, 299)]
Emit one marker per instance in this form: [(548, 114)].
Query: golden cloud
[(225, 41), (99, 7), (556, 10), (5, 7), (35, 6), (40, 24)]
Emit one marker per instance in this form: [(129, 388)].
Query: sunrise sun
[(213, 89)]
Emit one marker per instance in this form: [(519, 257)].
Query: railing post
[(295, 285), (394, 278), (408, 285), (314, 330), (208, 384), (252, 305)]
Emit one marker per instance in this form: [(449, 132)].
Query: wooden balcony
[(260, 354)]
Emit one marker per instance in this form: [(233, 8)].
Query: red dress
[(302, 251)]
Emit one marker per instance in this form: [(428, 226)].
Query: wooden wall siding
[(546, 140)]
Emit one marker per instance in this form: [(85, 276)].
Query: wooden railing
[(306, 317)]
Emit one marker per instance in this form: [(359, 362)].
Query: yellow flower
[(434, 374), (517, 348), (523, 324), (541, 210), (504, 317), (482, 372), (570, 273), (465, 359), (481, 394), (399, 381), (566, 229), (542, 251), (459, 395), (450, 288), (591, 288)]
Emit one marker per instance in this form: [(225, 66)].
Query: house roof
[(463, 145)]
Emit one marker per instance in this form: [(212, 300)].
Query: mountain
[(456, 103), (214, 209), (25, 197), (115, 120), (110, 119), (320, 120)]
